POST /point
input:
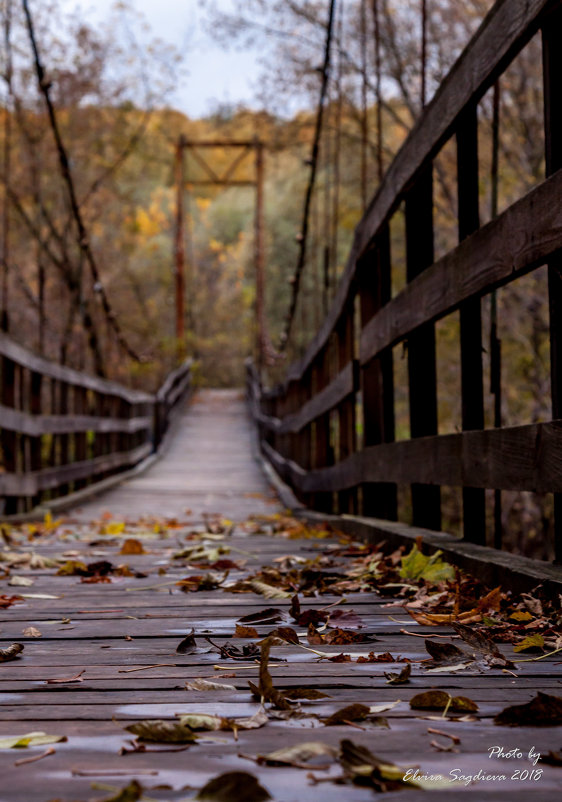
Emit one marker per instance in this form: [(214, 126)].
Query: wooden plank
[(12, 350), (34, 425), (13, 484), (517, 241), (340, 388), (505, 31), (513, 458)]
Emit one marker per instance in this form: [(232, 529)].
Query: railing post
[(552, 69), (377, 377), (80, 404), (347, 499), (323, 454), (36, 459), (9, 439), (422, 373), (472, 390)]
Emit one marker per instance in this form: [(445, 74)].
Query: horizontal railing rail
[(330, 429), (62, 430)]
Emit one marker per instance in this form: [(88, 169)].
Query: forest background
[(88, 211)]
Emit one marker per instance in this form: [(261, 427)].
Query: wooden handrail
[(62, 430), (333, 441)]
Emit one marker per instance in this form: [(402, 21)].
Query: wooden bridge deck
[(114, 632)]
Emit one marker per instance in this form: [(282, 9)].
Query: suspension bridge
[(106, 645)]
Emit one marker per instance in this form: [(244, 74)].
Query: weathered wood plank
[(512, 458), (518, 240), (35, 425), (12, 484)]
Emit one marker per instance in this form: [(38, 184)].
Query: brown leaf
[(385, 657), (304, 693), (482, 644), (266, 689), (287, 634), (132, 546), (271, 615), (354, 712), (12, 652), (444, 653), (341, 637), (162, 731), (340, 658), (542, 711), (313, 636), (188, 645), (311, 617), (234, 786), (439, 700), (32, 632), (399, 679), (300, 756), (245, 632), (7, 601)]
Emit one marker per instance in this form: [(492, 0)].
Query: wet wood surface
[(123, 635)]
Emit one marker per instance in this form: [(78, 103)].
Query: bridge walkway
[(103, 654)]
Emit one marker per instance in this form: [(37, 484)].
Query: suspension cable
[(296, 280)]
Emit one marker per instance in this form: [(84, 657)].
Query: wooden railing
[(62, 430), (308, 427)]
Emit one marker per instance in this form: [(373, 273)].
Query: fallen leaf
[(483, 645), (269, 591), (188, 645), (271, 615), (207, 685), (532, 643), (234, 786), (245, 632), (520, 616), (162, 731), (287, 634), (399, 679), (32, 632), (7, 601), (304, 693), (385, 657), (416, 565), (300, 755), (542, 711), (21, 581), (266, 689), (132, 546), (354, 712), (30, 739), (441, 700), (443, 653), (206, 721), (12, 652)]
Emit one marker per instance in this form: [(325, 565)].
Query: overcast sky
[(214, 76)]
